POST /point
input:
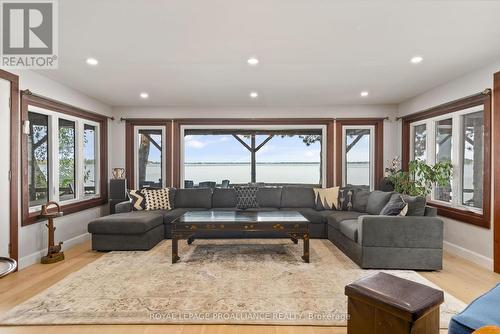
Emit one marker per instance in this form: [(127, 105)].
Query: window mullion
[(457, 160), (54, 175), (431, 152), (79, 160)]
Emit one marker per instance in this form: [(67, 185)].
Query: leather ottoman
[(384, 303)]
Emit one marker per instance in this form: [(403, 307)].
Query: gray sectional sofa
[(372, 241)]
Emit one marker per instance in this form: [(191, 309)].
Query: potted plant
[(420, 177)]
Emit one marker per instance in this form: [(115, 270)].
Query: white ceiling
[(311, 52)]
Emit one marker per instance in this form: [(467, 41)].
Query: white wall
[(71, 229), (339, 111), (472, 242)]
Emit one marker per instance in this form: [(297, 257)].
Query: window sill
[(33, 217), (463, 215)]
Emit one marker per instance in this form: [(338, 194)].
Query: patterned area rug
[(217, 281)]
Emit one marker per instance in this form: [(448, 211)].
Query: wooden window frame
[(130, 125), (378, 167), (29, 99), (178, 123), (483, 98), (496, 169), (14, 163)]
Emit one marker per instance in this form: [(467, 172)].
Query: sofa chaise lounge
[(414, 241)]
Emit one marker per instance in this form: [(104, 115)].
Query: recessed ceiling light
[(416, 59), (252, 61), (254, 95), (144, 95), (364, 93), (92, 61)]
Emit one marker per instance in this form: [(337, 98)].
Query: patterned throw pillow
[(395, 207), (246, 197), (137, 200), (327, 198), (157, 199), (346, 195)]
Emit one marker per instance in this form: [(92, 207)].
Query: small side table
[(384, 303)]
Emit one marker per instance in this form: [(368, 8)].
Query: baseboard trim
[(467, 254), (35, 257)]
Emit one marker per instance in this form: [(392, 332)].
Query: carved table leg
[(305, 257), (190, 240), (295, 240), (175, 250)]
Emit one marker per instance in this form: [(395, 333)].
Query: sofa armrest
[(123, 207), (403, 232)]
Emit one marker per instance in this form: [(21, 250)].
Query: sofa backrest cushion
[(194, 198), (416, 205), (269, 197), (376, 201), (224, 198), (360, 200), (297, 197)]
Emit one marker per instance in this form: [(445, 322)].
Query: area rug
[(216, 282)]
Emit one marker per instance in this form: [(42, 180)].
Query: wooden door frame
[(14, 162), (496, 170)]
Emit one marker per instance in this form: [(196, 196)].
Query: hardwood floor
[(463, 279)]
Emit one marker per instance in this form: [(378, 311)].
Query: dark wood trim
[(378, 123), (178, 123), (130, 125), (496, 168), (27, 98), (14, 164), (67, 108), (483, 98)]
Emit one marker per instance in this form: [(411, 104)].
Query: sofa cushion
[(135, 222), (346, 198), (349, 228), (416, 205), (137, 200), (297, 197), (336, 217), (326, 198), (170, 215), (269, 197), (246, 197), (193, 198), (314, 216), (224, 198), (376, 201), (360, 200), (395, 207), (157, 199)]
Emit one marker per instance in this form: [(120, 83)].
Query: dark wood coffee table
[(289, 224)]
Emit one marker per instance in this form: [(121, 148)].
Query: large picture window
[(458, 132), (224, 157), (61, 156)]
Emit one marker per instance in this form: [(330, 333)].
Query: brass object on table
[(54, 253)]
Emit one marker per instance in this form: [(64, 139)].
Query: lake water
[(308, 173)]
